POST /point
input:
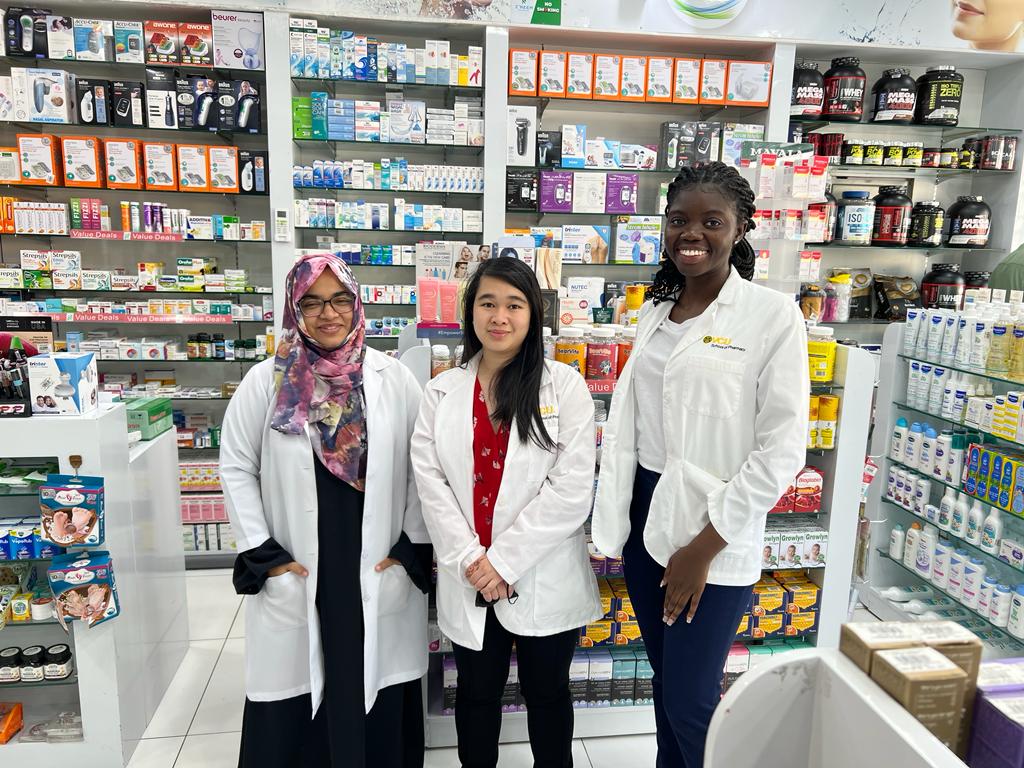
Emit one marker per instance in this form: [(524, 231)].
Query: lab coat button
[(366, 598)]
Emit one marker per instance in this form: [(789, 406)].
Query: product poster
[(497, 11)]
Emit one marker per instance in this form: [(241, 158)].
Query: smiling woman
[(989, 25)]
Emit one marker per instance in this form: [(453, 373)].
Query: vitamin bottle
[(571, 349), (602, 355)]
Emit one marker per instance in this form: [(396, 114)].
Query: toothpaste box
[(72, 510), (83, 587)]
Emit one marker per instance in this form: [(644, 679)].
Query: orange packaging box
[(686, 81), (160, 165), (193, 168), (579, 81), (10, 166), (11, 720), (223, 169), (607, 76), (39, 155), (123, 161), (659, 78), (713, 76), (522, 72), (82, 161), (551, 81), (7, 214), (633, 78), (750, 83)]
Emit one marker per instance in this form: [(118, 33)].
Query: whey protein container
[(892, 217), (926, 222), (894, 97), (938, 96), (808, 92), (854, 219), (943, 287), (970, 221), (844, 91)]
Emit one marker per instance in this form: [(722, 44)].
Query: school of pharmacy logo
[(722, 342)]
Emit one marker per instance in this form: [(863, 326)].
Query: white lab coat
[(538, 543), (270, 490), (735, 415)]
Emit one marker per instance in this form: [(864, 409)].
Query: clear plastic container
[(602, 355), (549, 343), (571, 349), (821, 354)]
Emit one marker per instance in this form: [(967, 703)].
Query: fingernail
[(662, 584), (689, 619)]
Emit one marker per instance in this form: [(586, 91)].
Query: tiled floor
[(198, 722)]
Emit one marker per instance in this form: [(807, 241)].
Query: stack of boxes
[(389, 174), (618, 626), (794, 542), (785, 604), (321, 118), (995, 476), (203, 476), (743, 658), (195, 430)]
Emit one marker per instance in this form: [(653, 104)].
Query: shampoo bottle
[(899, 439), (926, 463), (912, 454), (946, 507), (992, 532)]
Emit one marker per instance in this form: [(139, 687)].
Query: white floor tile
[(217, 750), (156, 753), (212, 605), (238, 628), (618, 751), (509, 756), (175, 712), (221, 707)]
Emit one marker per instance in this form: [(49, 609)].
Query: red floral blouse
[(489, 450)]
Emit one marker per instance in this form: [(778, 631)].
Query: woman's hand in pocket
[(386, 563), (293, 567)]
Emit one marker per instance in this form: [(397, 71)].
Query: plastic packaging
[(571, 349), (985, 594), (940, 566), (926, 222), (939, 91), (946, 506), (1015, 619), (549, 344), (821, 354), (1001, 345), (957, 563), (845, 84), (602, 356), (926, 552), (894, 97), (943, 287), (970, 222), (910, 548), (905, 594), (992, 532), (912, 454), (808, 95), (975, 521), (899, 439), (855, 218), (999, 610)]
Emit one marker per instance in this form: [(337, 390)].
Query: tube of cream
[(449, 302), (426, 296)]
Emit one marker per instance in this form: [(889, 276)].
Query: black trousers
[(543, 680)]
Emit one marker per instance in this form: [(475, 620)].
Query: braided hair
[(669, 282)]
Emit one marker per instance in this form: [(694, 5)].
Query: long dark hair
[(669, 282), (516, 386)]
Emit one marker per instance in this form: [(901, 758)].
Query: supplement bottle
[(926, 222), (821, 354), (853, 152), (808, 97), (440, 359), (218, 346), (892, 217), (970, 221), (845, 84), (913, 154), (1015, 620), (549, 343), (57, 662), (32, 664), (855, 218), (896, 541), (874, 152), (626, 343), (893, 154), (939, 91), (999, 610), (571, 349), (977, 278), (602, 355), (828, 421), (894, 97), (943, 287), (10, 665)]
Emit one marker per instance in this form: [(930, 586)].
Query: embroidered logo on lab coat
[(722, 342), (548, 412)]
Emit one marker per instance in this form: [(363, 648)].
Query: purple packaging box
[(998, 737), (620, 193), (555, 192), (1001, 676), (613, 567)]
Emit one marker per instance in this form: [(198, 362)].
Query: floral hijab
[(323, 387)]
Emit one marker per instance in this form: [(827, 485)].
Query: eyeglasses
[(310, 306)]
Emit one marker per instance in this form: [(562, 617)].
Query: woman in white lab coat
[(315, 470), (504, 454), (707, 429)]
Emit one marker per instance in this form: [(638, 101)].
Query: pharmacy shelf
[(420, 232), (197, 450), (203, 560), (179, 398), (17, 494), (659, 171), (981, 373), (595, 214), (379, 87), (91, 191), (124, 319), (146, 133), (884, 554), (601, 387), (941, 132), (853, 171), (147, 292), (117, 235), (901, 248), (24, 624), (34, 61), (166, 361), (462, 149), (918, 472), (332, 192), (988, 436), (71, 679)]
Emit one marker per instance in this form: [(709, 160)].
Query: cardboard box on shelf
[(713, 81), (522, 72), (123, 163), (82, 161), (160, 167), (580, 75), (39, 158), (749, 83), (195, 44), (607, 76), (238, 40), (551, 81), (193, 168), (633, 79), (161, 39), (686, 81)]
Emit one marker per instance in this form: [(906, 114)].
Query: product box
[(637, 240), (597, 634), (150, 416), (770, 554), (621, 192), (556, 191), (736, 664), (808, 491), (161, 99), (6, 98), (607, 76), (928, 685), (83, 587), (193, 168), (128, 104), (92, 100), (160, 167), (659, 79), (767, 626), (623, 687), (223, 169), (713, 76), (60, 37), (599, 690), (801, 624), (195, 44), (734, 135), (71, 510), (253, 172), (238, 106), (238, 40), (94, 40), (161, 42), (128, 42), (574, 146), (633, 81), (749, 83), (521, 135), (25, 32), (552, 74), (707, 138), (861, 641), (768, 597), (197, 103), (585, 244), (81, 158), (42, 95), (579, 679), (580, 75), (521, 190), (10, 166), (62, 383), (123, 163), (677, 147), (522, 72), (549, 149), (686, 81), (39, 157), (589, 192)]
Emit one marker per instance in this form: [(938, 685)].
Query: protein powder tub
[(913, 154), (991, 155), (943, 287), (926, 221), (977, 279), (874, 152), (1009, 153), (32, 664), (949, 158), (970, 221), (808, 97), (855, 218), (939, 91), (853, 152), (931, 158), (58, 662), (10, 665), (894, 97), (969, 155), (893, 153), (844, 90), (892, 217)]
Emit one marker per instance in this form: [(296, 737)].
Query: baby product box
[(83, 587), (71, 510), (63, 383), (238, 40), (60, 37)]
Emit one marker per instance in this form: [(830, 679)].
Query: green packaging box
[(152, 416)]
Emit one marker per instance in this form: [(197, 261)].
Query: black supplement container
[(970, 222), (808, 98), (894, 97), (844, 90), (939, 91), (892, 217)]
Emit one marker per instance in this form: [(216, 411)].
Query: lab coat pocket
[(283, 601), (712, 387), (562, 580), (394, 590), (541, 461)]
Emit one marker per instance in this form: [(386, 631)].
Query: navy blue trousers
[(688, 659)]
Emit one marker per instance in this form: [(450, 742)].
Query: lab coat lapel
[(455, 443)]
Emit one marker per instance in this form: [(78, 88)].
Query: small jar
[(949, 158), (32, 663), (192, 348), (571, 349), (10, 665), (218, 346), (205, 346), (893, 154), (250, 349), (874, 152), (968, 158), (42, 608), (932, 157), (58, 662), (991, 155), (603, 356), (853, 152), (913, 154)]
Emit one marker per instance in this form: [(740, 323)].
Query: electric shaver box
[(92, 98), (161, 99), (549, 149), (25, 32), (127, 101)]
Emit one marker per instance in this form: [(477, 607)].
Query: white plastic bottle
[(949, 395), (905, 594), (960, 400), (926, 552), (955, 583), (975, 520), (890, 485), (992, 532), (988, 588), (924, 381), (922, 492), (926, 466), (936, 329), (998, 358), (955, 465), (912, 455), (942, 446), (958, 525), (913, 381), (902, 478), (965, 336), (946, 510), (897, 539), (945, 614), (999, 610), (922, 605), (949, 337), (910, 548), (911, 329), (1015, 621), (931, 514), (980, 341), (899, 439), (938, 385), (940, 565), (974, 575)]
